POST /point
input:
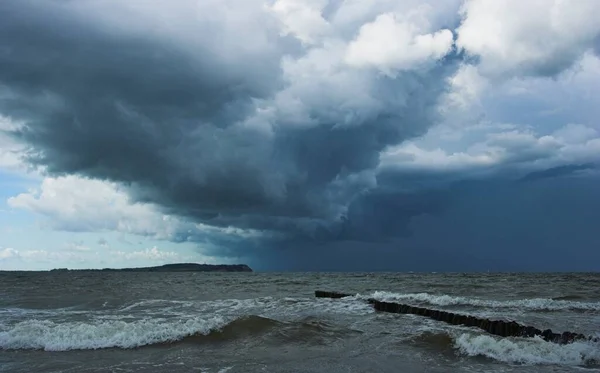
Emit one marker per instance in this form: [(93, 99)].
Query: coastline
[(174, 267)]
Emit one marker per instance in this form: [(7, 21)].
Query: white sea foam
[(529, 351), (264, 306), (449, 300), (50, 336), (153, 303), (288, 307), (345, 306), (29, 312), (121, 328)]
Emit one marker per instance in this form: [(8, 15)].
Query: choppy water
[(256, 322)]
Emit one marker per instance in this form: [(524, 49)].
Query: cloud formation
[(538, 37), (246, 124), (76, 204), (74, 257), (85, 205), (268, 133), (502, 147)]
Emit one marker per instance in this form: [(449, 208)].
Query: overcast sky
[(412, 135)]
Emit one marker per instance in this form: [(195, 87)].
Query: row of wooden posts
[(496, 327)]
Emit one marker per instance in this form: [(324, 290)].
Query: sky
[(300, 135)]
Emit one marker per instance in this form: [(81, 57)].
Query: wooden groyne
[(497, 327)]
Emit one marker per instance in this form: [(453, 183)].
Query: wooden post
[(496, 327)]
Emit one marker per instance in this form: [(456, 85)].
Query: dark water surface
[(258, 322)]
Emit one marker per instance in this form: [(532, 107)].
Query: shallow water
[(259, 322)]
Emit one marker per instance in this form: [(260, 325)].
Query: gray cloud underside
[(142, 112), (558, 171), (493, 224)]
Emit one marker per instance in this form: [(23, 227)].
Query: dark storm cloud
[(596, 46), (494, 224), (132, 110), (558, 171), (240, 127), (136, 109)]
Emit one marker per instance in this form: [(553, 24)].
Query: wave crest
[(526, 351), (534, 351), (50, 336), (449, 300)]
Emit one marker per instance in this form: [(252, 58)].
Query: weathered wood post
[(497, 327)]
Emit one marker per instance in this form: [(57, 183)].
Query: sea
[(271, 322)]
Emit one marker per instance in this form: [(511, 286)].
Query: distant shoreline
[(176, 267)]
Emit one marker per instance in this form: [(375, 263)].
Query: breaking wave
[(49, 336), (159, 321), (526, 351), (105, 333), (530, 351), (449, 300), (265, 306)]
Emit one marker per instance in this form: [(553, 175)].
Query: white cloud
[(17, 259), (466, 88), (573, 93), (9, 159), (8, 253), (302, 19), (78, 204), (10, 150), (516, 148), (43, 259), (391, 43), (387, 36), (462, 105), (535, 37), (77, 246), (410, 156), (576, 134), (525, 121), (149, 254), (351, 14)]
